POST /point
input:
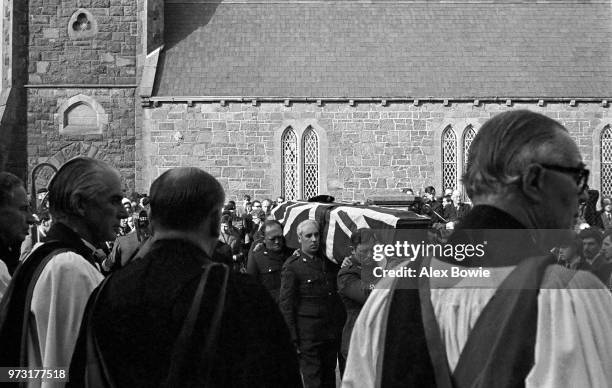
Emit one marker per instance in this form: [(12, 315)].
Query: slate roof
[(336, 48)]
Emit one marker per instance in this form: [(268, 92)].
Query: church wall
[(370, 149), (115, 144), (85, 50)]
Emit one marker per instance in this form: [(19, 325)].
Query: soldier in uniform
[(312, 308), (267, 258)]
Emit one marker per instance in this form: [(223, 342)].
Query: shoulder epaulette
[(294, 256)]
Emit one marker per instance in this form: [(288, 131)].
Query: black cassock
[(141, 310)]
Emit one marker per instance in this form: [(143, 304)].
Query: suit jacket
[(605, 221), (449, 213), (434, 211), (142, 309)]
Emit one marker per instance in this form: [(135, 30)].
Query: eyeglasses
[(257, 206), (580, 175)]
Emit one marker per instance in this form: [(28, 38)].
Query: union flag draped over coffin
[(338, 222)]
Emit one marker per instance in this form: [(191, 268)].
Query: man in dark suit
[(461, 208), (141, 309), (431, 207), (591, 245), (312, 308), (606, 214)]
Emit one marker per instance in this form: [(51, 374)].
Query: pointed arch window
[(311, 163), (289, 161), (606, 162), (449, 159), (468, 137), (300, 163)]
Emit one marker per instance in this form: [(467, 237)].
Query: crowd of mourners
[(183, 288)]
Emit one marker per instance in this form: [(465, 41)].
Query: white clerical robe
[(573, 340), (58, 303)]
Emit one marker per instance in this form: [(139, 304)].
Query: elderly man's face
[(15, 217), (104, 212), (266, 206), (561, 195), (456, 196), (309, 239), (274, 238)]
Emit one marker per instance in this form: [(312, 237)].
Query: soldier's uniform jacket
[(309, 299), (266, 266)]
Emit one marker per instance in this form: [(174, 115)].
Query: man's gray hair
[(504, 146), (303, 224), (8, 183), (77, 180)]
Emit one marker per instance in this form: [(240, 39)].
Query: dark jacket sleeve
[(350, 285), (252, 266), (288, 298)]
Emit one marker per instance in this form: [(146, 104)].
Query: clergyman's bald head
[(181, 198)]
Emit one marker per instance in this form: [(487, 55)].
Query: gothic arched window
[(310, 149), (449, 159), (289, 159), (606, 162), (468, 137)]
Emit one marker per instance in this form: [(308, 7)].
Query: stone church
[(295, 97)]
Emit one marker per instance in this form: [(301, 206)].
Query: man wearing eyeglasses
[(529, 322), (265, 264)]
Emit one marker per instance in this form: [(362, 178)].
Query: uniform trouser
[(318, 363)]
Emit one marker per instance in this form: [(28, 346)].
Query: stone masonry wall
[(108, 57), (86, 47), (115, 145), (13, 141), (366, 149)]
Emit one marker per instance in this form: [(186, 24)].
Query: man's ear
[(80, 205), (532, 182)]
